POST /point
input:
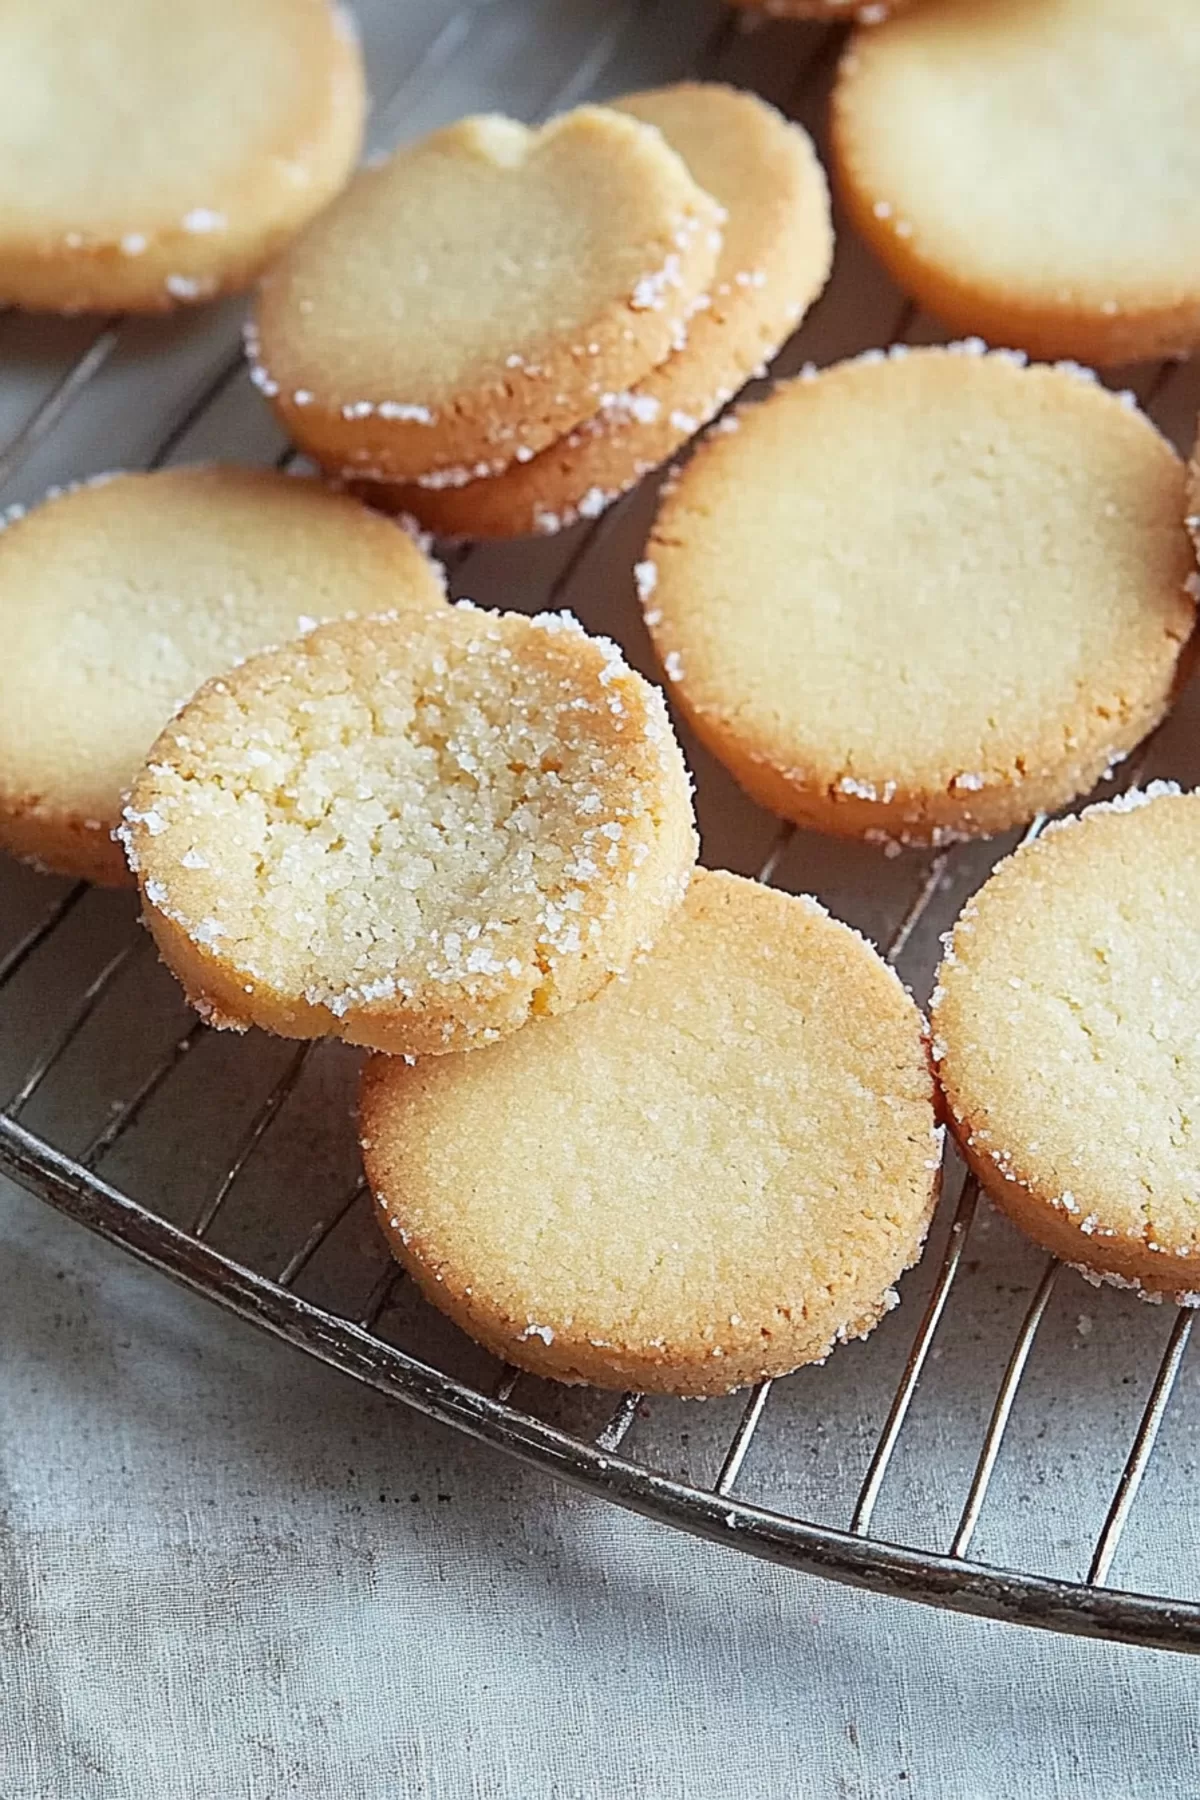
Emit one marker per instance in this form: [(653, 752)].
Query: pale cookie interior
[(947, 122), (413, 832), (924, 594), (177, 142), (118, 598), (711, 1172), (1066, 1035), (480, 290)]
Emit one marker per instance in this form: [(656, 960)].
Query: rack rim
[(896, 1571)]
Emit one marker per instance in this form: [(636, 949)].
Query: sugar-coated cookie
[(1067, 1032), (472, 298), (155, 154), (711, 1173), (775, 258), (1028, 169), (924, 595), (414, 832), (120, 596)]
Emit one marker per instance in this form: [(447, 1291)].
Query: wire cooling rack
[(1005, 1403)]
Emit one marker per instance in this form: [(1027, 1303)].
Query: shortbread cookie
[(155, 154), (710, 1174), (775, 258), (119, 597), (924, 596), (1067, 1028), (473, 298), (413, 832), (1029, 171)]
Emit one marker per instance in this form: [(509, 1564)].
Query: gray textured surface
[(225, 1572)]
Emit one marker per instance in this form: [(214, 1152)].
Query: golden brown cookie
[(472, 298), (155, 154), (414, 832), (926, 595), (711, 1173), (1067, 1032), (775, 258), (1027, 169), (119, 597)]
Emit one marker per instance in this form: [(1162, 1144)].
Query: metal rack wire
[(347, 1324)]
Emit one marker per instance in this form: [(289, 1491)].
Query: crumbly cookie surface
[(1067, 1036), (413, 832), (710, 1173), (945, 123), (775, 257), (161, 154), (925, 595), (119, 597), (472, 298)]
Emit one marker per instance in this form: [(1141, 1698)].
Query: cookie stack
[(607, 1135), (498, 330)]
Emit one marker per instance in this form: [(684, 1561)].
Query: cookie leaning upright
[(413, 832), (119, 597), (152, 154), (710, 1174), (775, 257), (925, 595), (471, 299), (1067, 1033), (1030, 171)]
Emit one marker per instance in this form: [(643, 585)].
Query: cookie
[(710, 1174), (1029, 171), (924, 595), (1067, 1032), (775, 258), (154, 155), (413, 832), (120, 596), (471, 299)]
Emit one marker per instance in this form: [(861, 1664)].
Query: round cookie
[(1029, 171), (413, 832), (472, 298), (1067, 1032), (926, 595), (162, 154), (120, 596), (709, 1175), (775, 258)]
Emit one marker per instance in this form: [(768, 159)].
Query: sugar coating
[(417, 830), (731, 1158), (1080, 959), (925, 596)]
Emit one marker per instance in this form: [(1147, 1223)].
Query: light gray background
[(225, 1572)]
